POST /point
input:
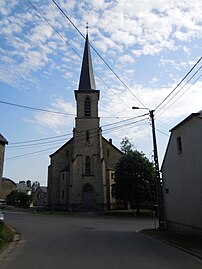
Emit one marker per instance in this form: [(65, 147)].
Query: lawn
[(6, 235)]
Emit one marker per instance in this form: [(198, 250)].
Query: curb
[(172, 244)]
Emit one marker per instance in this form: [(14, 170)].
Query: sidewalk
[(190, 243)]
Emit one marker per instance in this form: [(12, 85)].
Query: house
[(80, 174), (22, 187), (6, 187), (3, 142), (39, 197), (182, 175)]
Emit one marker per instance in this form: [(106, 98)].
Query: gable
[(110, 145), (111, 153), (68, 143), (3, 140), (187, 132)]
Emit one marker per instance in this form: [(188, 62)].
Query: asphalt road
[(91, 242)]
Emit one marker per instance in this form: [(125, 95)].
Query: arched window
[(87, 136), (87, 107), (87, 166)]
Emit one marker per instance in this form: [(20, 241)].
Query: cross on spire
[(87, 27)]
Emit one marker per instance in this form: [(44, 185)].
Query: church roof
[(87, 81)]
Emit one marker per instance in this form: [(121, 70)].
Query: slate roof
[(87, 81), (44, 189)]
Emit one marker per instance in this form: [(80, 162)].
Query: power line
[(97, 53), (179, 96), (73, 47), (48, 111), (23, 144), (36, 108), (28, 154), (180, 89), (178, 84), (36, 140), (162, 132), (36, 144), (127, 124), (47, 149)]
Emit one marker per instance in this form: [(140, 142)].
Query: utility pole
[(156, 163), (158, 180)]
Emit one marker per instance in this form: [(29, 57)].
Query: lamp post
[(156, 163)]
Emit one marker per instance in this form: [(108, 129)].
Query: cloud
[(56, 121), (141, 28)]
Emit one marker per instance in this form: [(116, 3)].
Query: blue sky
[(151, 45)]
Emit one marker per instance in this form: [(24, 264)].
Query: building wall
[(110, 153), (60, 162), (2, 150), (67, 178), (182, 175), (40, 198)]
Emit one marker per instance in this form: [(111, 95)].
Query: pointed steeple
[(87, 81)]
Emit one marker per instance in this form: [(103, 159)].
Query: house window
[(108, 152), (63, 194), (179, 144), (87, 136), (87, 166), (87, 107)]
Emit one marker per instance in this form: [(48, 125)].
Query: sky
[(149, 46)]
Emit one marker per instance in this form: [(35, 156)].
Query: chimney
[(110, 141)]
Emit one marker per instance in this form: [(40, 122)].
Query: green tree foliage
[(126, 146), (29, 183), (18, 198), (35, 185), (134, 180)]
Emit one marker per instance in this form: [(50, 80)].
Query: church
[(80, 174)]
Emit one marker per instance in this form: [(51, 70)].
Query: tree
[(126, 146), (134, 180), (35, 185), (29, 183), (18, 198)]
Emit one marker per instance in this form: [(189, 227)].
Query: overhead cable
[(73, 48), (179, 96), (37, 109), (178, 83), (98, 53), (180, 89)]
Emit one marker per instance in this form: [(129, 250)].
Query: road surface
[(89, 242)]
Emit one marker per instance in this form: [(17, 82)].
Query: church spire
[(87, 81)]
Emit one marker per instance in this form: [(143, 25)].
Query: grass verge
[(189, 242), (6, 235)]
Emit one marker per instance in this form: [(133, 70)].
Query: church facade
[(80, 174)]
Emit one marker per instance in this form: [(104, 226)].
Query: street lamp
[(156, 163)]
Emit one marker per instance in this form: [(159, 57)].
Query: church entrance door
[(88, 197)]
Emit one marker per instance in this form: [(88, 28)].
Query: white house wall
[(182, 176)]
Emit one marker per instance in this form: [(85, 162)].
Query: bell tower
[(87, 97), (87, 137)]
